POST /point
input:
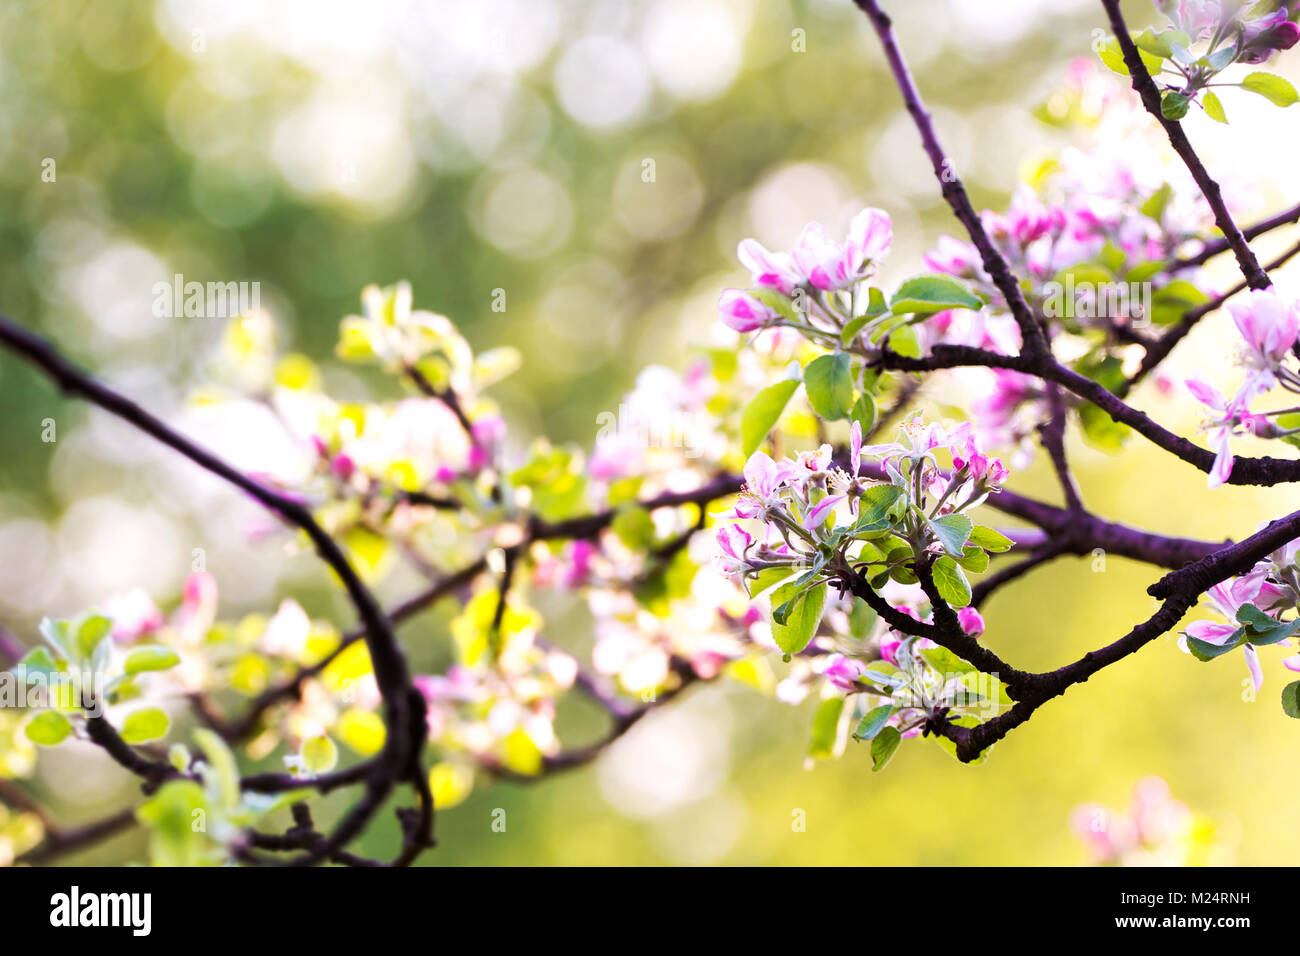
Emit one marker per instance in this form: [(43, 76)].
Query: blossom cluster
[(1205, 38), (1253, 606), (1155, 830), (1269, 324)]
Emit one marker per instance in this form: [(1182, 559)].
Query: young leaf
[(319, 754), (990, 540), (953, 531), (974, 559), (829, 385), (1291, 699), (864, 412), (1214, 108), (951, 582), (48, 728), (150, 657), (883, 747), (90, 629), (762, 414), (1205, 651), (1173, 105), (825, 729), (874, 721), (927, 294), (801, 618), (876, 502), (1272, 87), (37, 661), (142, 726)]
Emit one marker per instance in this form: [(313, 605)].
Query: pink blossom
[(134, 614), (828, 265), (744, 312), (889, 645), (488, 430), (343, 466), (843, 671), (966, 453), (579, 568), (1265, 36), (1197, 18), (855, 447), (972, 622), (1227, 598), (1230, 415), (735, 542), (770, 270), (1270, 326), (818, 512)]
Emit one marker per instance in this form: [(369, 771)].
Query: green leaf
[(903, 341), (1272, 87), (1261, 629), (1205, 651), (953, 531), (876, 502), (974, 559), (829, 385), (151, 657), (142, 726), (1156, 203), (825, 729), (1291, 699), (1173, 105), (37, 661), (171, 813), (951, 582), (56, 633), (862, 620), (864, 412), (876, 306), (319, 754), (762, 414), (873, 722), (767, 578), (1213, 108), (224, 769), (48, 728), (990, 540), (1113, 57), (883, 747), (927, 294), (90, 629), (1161, 44), (801, 618)]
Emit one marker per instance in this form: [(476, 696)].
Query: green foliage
[(829, 385), (927, 294), (796, 614), (762, 413)]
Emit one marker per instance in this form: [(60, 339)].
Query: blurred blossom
[(521, 210), (668, 760), (664, 207), (602, 82), (693, 47)]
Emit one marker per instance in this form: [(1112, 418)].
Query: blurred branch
[(1146, 88)]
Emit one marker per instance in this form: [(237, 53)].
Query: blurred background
[(480, 145)]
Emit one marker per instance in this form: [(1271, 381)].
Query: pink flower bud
[(744, 312)]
